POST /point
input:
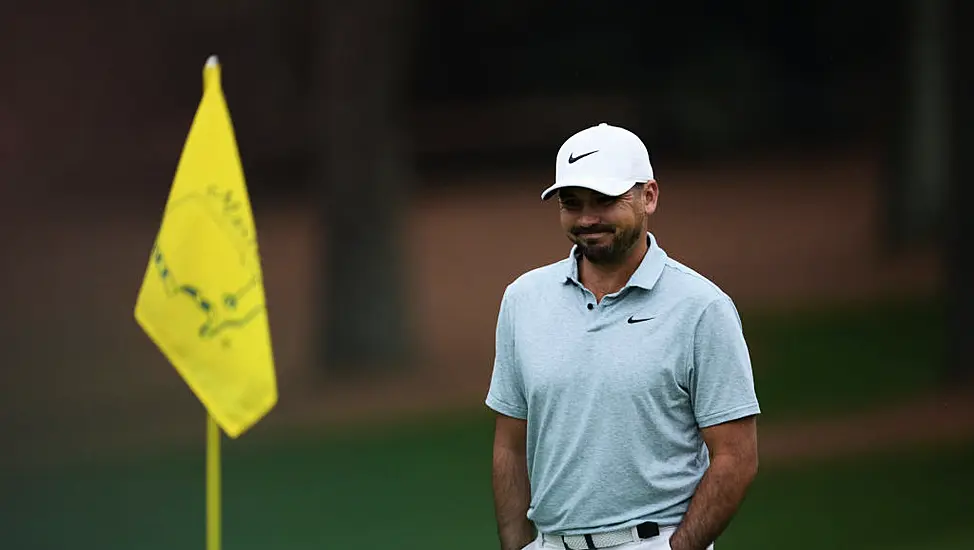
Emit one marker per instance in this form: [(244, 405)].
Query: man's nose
[(589, 218)]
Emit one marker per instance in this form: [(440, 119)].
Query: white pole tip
[(212, 61)]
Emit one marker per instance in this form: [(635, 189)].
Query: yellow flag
[(202, 298)]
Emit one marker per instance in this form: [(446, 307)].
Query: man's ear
[(650, 192)]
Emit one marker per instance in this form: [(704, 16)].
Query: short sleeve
[(720, 376), (506, 393)]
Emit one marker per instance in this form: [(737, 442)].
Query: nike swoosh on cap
[(572, 158)]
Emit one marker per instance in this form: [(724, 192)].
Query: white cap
[(604, 158)]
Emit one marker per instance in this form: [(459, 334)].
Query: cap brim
[(613, 188)]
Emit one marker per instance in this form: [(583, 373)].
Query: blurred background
[(810, 162)]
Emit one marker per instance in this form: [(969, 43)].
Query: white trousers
[(660, 542)]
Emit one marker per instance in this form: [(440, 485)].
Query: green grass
[(392, 487), (911, 499), (958, 540), (427, 487), (830, 362)]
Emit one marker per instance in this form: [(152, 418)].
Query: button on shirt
[(615, 392)]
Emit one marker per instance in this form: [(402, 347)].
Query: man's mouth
[(593, 233)]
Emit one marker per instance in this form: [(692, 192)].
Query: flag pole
[(213, 513), (212, 484)]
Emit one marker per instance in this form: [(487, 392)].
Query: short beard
[(613, 253)]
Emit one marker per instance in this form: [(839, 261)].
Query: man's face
[(606, 228)]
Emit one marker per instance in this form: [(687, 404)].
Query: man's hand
[(733, 465), (512, 490)]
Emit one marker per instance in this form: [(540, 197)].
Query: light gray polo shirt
[(614, 393)]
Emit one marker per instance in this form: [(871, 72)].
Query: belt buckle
[(589, 543)]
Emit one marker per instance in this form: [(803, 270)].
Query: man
[(622, 381)]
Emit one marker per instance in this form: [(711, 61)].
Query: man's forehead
[(581, 193)]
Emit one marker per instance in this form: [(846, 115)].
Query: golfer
[(626, 407)]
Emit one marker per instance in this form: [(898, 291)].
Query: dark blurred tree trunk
[(930, 163), (917, 162), (959, 216), (359, 91)]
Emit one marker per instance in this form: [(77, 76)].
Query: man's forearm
[(512, 496), (714, 503)]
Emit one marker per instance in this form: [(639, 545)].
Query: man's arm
[(512, 490), (733, 465)]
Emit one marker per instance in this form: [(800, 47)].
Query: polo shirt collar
[(646, 274)]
